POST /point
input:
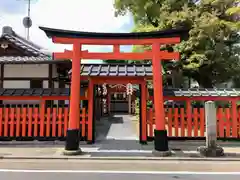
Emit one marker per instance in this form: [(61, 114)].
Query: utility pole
[(27, 22)]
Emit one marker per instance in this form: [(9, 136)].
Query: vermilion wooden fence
[(189, 122), (48, 123), (28, 122)]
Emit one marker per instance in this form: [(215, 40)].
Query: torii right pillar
[(160, 132)]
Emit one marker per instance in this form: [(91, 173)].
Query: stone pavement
[(117, 126), (110, 149)]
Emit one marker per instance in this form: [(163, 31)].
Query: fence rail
[(189, 122), (35, 122)]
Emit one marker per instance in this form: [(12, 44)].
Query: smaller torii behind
[(77, 39)]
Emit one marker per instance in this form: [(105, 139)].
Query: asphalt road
[(22, 169), (110, 176), (121, 165)]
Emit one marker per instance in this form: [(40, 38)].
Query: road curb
[(119, 158)]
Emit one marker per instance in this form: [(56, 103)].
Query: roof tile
[(116, 70), (26, 59), (166, 92), (34, 92), (199, 92), (21, 42)]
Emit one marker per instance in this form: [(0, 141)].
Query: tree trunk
[(202, 78), (204, 81)]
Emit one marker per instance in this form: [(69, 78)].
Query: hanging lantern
[(124, 95), (115, 95), (104, 87), (104, 105), (129, 89), (99, 91), (104, 110), (118, 86)]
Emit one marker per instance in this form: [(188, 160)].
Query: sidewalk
[(113, 149)]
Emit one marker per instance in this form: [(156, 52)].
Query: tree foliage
[(211, 53)]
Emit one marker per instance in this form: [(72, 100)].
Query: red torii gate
[(77, 39)]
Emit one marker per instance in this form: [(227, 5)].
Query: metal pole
[(28, 29)]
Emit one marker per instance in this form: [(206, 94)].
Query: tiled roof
[(166, 92), (21, 42), (27, 60), (116, 70), (200, 92), (34, 92)]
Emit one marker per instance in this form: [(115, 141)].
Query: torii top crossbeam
[(155, 39), (115, 39), (96, 38)]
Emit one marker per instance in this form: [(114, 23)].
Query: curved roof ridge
[(50, 32), (12, 36)]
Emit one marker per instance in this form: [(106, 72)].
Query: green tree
[(211, 53)]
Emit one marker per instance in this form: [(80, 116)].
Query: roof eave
[(50, 32)]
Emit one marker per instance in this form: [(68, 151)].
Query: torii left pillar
[(73, 133), (160, 133)]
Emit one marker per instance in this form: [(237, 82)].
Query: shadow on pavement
[(107, 148), (40, 144), (104, 124)]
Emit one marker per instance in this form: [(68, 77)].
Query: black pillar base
[(72, 140), (143, 142), (90, 142), (160, 140)]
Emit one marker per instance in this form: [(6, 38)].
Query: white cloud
[(80, 15)]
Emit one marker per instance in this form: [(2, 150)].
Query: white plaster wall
[(16, 84), (24, 70), (27, 70), (45, 84)]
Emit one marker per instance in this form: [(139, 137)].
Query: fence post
[(211, 149)]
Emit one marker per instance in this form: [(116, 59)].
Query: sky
[(79, 15)]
